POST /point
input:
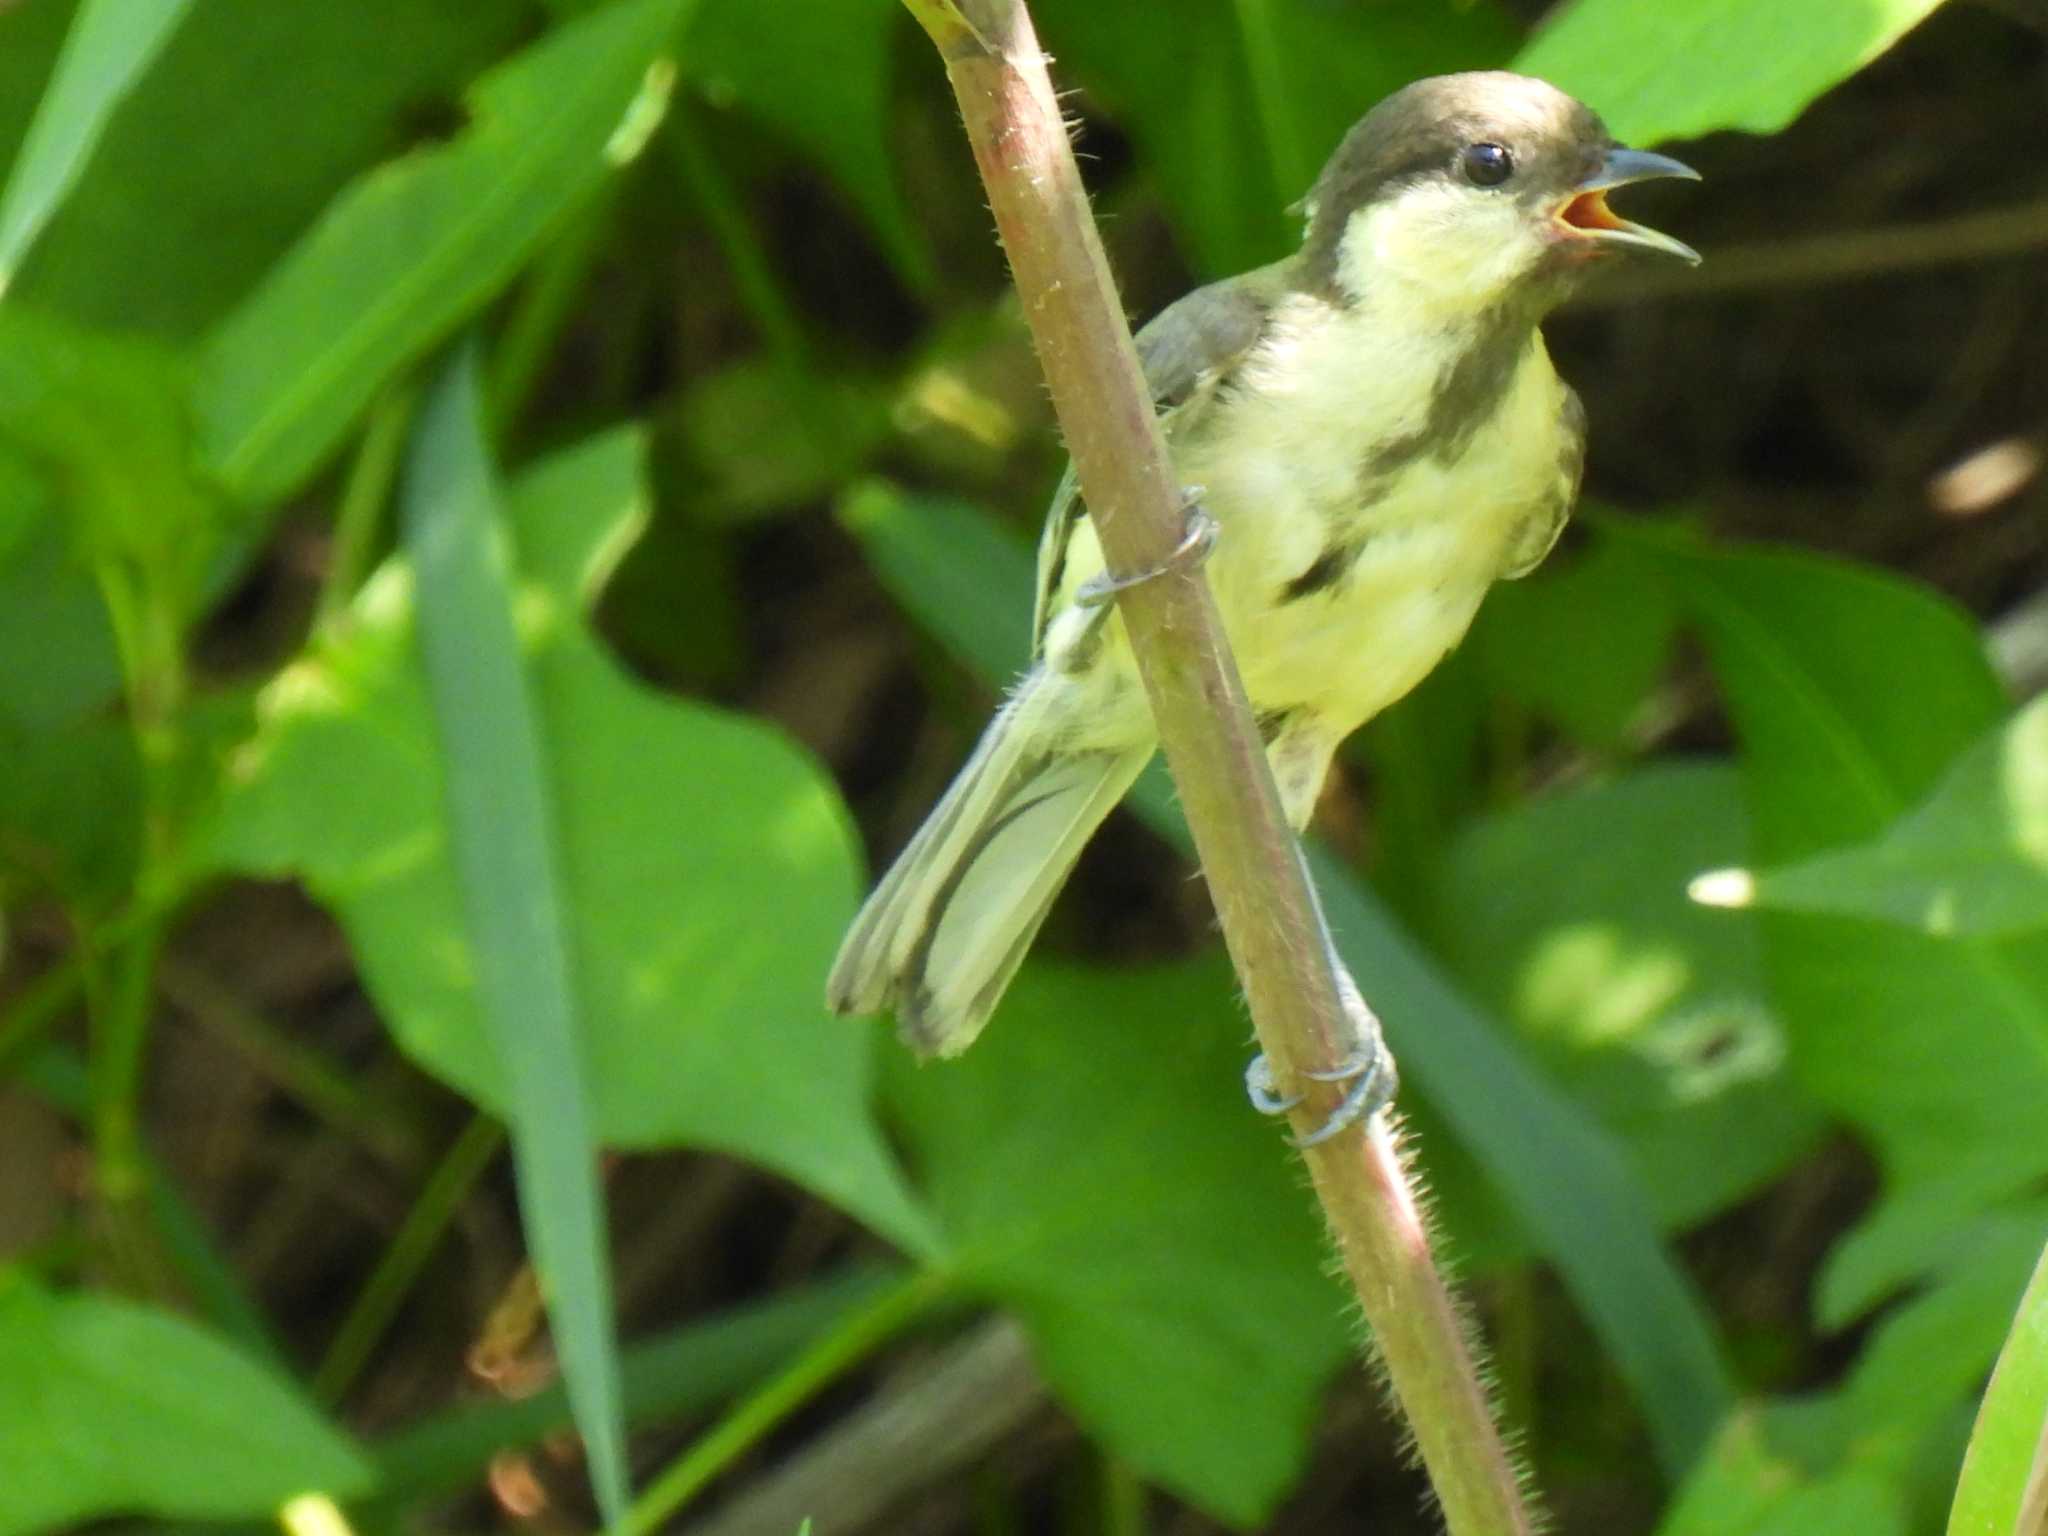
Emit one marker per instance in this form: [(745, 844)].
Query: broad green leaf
[(1914, 1229), (1811, 652), (272, 109), (818, 72), (1682, 68), (1561, 1175), (1970, 859), (503, 826), (109, 47), (1094, 1166), (112, 1408), (1935, 1050), (1580, 643), (668, 1378), (1235, 105), (2011, 1438), (408, 251), (680, 826), (1568, 916), (1931, 1353), (104, 418), (1750, 1485)]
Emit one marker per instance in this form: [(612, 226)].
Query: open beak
[(1587, 217)]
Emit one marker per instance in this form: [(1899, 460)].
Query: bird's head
[(1470, 192)]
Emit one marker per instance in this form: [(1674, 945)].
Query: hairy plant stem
[(1248, 854)]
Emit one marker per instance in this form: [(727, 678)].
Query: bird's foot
[(1368, 1073), (1198, 538)]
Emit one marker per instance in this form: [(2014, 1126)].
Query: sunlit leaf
[(1568, 915), (408, 251), (272, 109), (1682, 68), (1970, 859), (681, 826), (113, 1408)]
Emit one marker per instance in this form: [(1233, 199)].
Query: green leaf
[(1935, 1050), (1567, 915), (412, 249), (1682, 68), (1970, 859), (1236, 104), (2012, 1425), (1561, 1175), (1809, 654), (1914, 1230), (108, 49), (818, 72), (104, 417), (112, 1408), (1580, 643), (1931, 1353), (273, 108), (1749, 1485), (1095, 1167), (502, 844), (681, 826)]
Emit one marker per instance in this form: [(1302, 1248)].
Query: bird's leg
[(1198, 538), (1367, 1068)]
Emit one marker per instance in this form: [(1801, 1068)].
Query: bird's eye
[(1487, 165)]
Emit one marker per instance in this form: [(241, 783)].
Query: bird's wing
[(1185, 349)]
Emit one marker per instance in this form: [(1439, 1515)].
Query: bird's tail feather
[(950, 923)]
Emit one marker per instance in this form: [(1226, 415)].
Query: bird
[(1373, 434)]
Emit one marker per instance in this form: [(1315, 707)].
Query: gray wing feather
[(1183, 350)]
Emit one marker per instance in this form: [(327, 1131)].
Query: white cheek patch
[(1450, 245)]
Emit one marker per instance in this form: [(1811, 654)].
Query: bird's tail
[(950, 923)]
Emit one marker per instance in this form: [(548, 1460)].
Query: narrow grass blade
[(110, 45), (501, 820)]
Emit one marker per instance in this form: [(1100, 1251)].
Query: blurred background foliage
[(506, 511)]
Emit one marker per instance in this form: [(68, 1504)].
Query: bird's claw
[(1198, 538), (1368, 1070)]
